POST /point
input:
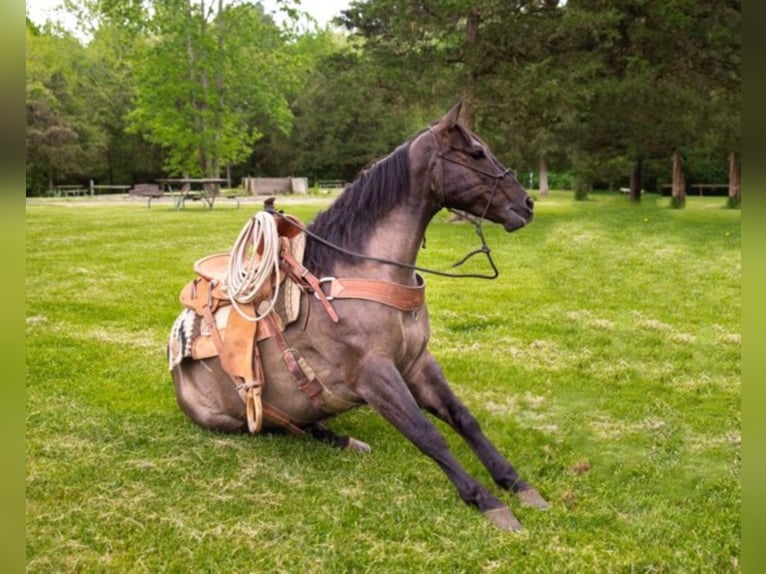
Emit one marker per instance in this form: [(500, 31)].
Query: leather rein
[(476, 222)]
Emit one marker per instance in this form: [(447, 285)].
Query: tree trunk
[(636, 181), (735, 187), (193, 80), (583, 186), (679, 182), (543, 177), (468, 115), (220, 86)]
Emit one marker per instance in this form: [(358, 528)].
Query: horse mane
[(350, 219)]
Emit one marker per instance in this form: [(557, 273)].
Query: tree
[(58, 139), (653, 69), (493, 54), (203, 77), (347, 111), (432, 48), (527, 100)]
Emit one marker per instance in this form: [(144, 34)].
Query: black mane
[(351, 218)]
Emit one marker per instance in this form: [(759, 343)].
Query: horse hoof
[(357, 445), (503, 519), (532, 498)]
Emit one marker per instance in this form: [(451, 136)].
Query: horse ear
[(449, 120)]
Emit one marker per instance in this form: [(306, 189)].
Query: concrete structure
[(274, 185)]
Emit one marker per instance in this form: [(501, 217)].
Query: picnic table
[(203, 189)]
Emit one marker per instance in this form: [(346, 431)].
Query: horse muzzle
[(519, 216)]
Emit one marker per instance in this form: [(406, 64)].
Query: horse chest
[(414, 334)]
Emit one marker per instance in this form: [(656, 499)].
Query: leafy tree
[(609, 86), (496, 55), (202, 79), (349, 113), (651, 69), (58, 139), (429, 48), (527, 98)]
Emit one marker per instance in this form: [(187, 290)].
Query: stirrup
[(254, 408)]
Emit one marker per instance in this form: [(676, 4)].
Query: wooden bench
[(331, 184), (94, 189), (148, 190), (70, 190), (210, 199), (700, 187), (230, 195)]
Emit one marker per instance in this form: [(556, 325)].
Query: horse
[(375, 352)]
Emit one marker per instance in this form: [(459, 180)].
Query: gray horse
[(376, 353)]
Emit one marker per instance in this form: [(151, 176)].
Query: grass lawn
[(604, 362)]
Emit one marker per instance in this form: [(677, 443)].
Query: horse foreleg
[(384, 389), (434, 394)]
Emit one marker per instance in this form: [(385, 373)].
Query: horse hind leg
[(433, 393), (321, 433), (207, 396)]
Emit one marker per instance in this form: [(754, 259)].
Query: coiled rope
[(254, 259)]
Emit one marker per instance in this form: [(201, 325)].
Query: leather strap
[(307, 280), (212, 326), (311, 387), (281, 418), (269, 411), (402, 297)]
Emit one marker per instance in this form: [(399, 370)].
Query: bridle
[(476, 222)]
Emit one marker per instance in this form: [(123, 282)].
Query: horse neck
[(382, 215), (398, 237)]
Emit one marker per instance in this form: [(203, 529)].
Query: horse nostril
[(530, 203)]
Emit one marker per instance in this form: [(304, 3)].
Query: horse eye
[(478, 153)]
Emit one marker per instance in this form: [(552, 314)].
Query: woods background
[(572, 95)]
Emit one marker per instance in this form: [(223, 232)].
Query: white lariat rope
[(250, 270)]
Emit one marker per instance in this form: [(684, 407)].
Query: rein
[(476, 222), (483, 249)]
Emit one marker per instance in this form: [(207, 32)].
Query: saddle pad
[(185, 329), (288, 305)]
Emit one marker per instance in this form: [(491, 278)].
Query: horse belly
[(281, 388)]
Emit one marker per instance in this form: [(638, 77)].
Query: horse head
[(465, 175)]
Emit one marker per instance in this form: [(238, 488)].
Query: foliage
[(656, 73), (202, 79), (561, 180), (594, 87), (77, 97), (59, 133), (346, 114), (609, 375), (477, 50)]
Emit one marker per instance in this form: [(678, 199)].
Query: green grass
[(604, 361)]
